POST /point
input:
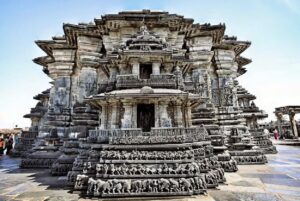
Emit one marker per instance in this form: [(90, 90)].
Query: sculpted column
[(165, 121), (157, 113), (178, 113), (134, 115), (114, 115), (293, 123), (136, 68), (155, 68), (127, 118), (103, 116), (279, 122), (188, 114)]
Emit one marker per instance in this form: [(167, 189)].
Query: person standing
[(1, 146), (275, 134), (9, 145)]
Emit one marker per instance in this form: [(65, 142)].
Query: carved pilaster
[(178, 114), (157, 113), (188, 114), (103, 116), (165, 120), (279, 121), (114, 114), (155, 68), (134, 115), (136, 69), (127, 118), (293, 123)]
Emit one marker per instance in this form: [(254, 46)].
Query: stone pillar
[(136, 69), (165, 121), (60, 95), (293, 123), (178, 78), (127, 118), (188, 114), (157, 114), (84, 79), (178, 114), (254, 122), (155, 68), (113, 74), (279, 122), (114, 115), (134, 115), (103, 116)]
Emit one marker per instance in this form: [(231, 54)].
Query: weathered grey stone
[(143, 103)]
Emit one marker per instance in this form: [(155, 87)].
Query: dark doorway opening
[(145, 116), (145, 71)]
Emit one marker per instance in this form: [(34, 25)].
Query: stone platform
[(290, 142), (277, 180)]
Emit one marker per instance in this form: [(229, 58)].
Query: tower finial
[(143, 28)]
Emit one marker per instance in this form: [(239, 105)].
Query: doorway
[(145, 71), (145, 117)]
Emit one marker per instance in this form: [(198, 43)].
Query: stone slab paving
[(278, 180)]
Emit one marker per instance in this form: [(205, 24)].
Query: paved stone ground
[(278, 180)]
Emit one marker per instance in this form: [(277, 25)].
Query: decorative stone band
[(150, 186), (156, 135), (132, 81)]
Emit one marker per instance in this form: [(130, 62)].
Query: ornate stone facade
[(145, 103)]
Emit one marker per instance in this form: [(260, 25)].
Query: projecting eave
[(287, 109), (241, 71), (144, 15), (137, 94), (43, 61), (41, 96), (260, 114), (242, 61), (72, 31), (215, 31), (156, 92), (32, 115), (45, 46), (247, 95), (151, 19), (48, 45), (237, 46)]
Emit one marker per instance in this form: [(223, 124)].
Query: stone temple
[(143, 103)]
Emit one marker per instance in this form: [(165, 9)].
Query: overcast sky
[(273, 27)]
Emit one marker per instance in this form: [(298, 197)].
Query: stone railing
[(29, 134), (155, 81), (39, 109), (189, 86), (250, 109), (106, 86)]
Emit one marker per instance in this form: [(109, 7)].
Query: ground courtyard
[(277, 180)]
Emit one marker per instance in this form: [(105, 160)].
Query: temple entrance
[(145, 116)]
